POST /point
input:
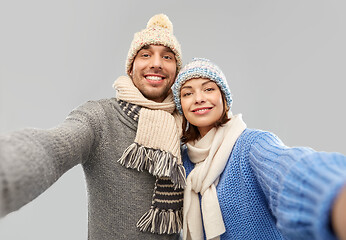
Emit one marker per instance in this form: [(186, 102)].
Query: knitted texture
[(159, 31), (153, 121), (158, 151), (167, 200), (130, 110), (201, 68), (210, 154), (271, 191), (94, 136)]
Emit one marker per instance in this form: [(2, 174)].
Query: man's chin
[(156, 96)]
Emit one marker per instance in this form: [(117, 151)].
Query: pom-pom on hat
[(201, 68), (159, 31)]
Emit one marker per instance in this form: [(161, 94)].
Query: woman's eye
[(186, 94), (145, 55), (167, 57), (209, 89)]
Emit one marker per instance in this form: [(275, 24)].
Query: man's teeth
[(153, 78)]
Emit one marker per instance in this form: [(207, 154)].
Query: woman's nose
[(199, 97)]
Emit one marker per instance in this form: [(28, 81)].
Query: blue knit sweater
[(271, 191)]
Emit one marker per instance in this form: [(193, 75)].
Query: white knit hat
[(159, 31)]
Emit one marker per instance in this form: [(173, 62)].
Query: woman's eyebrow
[(204, 83), (208, 81), (186, 87)]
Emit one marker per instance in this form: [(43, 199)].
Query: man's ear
[(131, 71)]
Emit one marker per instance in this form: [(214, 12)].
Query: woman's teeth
[(202, 110)]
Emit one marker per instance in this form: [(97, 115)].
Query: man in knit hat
[(128, 147)]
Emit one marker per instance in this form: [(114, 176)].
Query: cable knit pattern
[(271, 191)]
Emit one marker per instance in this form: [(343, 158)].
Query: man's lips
[(200, 111), (154, 78)]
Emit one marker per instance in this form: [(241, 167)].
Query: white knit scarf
[(156, 148), (210, 155)]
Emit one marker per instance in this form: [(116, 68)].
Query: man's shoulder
[(98, 105), (94, 108), (100, 102), (110, 110)]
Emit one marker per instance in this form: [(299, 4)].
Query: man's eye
[(145, 55), (167, 57)]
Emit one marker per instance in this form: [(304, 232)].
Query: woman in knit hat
[(244, 183)]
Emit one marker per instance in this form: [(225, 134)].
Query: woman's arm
[(300, 185)]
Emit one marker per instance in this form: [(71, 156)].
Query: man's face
[(154, 71)]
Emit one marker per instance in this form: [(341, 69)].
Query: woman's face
[(202, 105)]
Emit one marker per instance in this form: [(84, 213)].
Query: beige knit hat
[(159, 31)]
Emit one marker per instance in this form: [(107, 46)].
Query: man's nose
[(156, 62)]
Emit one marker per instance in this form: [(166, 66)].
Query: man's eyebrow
[(167, 49), (145, 47)]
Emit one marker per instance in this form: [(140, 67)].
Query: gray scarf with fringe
[(156, 148)]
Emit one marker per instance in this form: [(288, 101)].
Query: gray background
[(284, 60)]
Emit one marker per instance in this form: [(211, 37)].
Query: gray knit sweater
[(94, 135)]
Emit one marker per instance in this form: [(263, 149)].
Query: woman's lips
[(201, 111)]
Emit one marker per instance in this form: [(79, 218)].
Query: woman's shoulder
[(250, 133), (251, 136)]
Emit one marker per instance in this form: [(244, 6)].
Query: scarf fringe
[(161, 221), (159, 163)]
